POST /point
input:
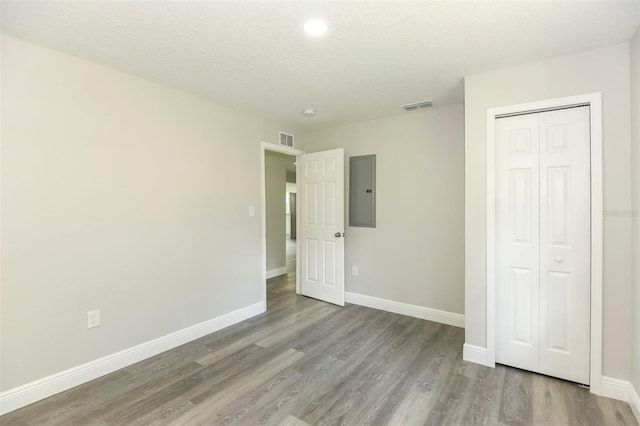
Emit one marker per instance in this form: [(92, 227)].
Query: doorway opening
[(280, 189), (290, 218), (319, 224), (279, 222)]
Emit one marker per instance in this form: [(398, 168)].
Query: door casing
[(594, 100)]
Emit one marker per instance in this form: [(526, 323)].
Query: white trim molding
[(634, 402), (622, 390), (29, 393), (616, 388), (450, 318), (475, 354), (594, 100), (276, 272)]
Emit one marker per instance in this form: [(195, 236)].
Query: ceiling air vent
[(286, 139), (417, 105)]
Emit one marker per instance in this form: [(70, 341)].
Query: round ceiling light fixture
[(308, 112), (315, 27)]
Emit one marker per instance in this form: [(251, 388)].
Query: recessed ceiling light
[(315, 27), (309, 112)]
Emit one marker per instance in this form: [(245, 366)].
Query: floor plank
[(516, 406), (305, 362)]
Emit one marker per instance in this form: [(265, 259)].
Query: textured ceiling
[(375, 57)]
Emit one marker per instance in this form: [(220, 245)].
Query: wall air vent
[(417, 105), (286, 139)]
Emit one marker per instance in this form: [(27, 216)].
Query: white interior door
[(544, 242), (321, 225)]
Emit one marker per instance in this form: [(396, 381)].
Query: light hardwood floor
[(308, 362)]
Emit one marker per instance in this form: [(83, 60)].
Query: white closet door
[(517, 241), (565, 242), (544, 242)]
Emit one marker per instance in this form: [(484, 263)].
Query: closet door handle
[(558, 259)]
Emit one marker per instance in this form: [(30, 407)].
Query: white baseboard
[(475, 354), (421, 312), (276, 272), (634, 402), (615, 388), (43, 388), (622, 390)]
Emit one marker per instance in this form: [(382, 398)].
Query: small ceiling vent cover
[(286, 139), (417, 105)]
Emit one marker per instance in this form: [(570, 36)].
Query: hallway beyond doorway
[(291, 255)]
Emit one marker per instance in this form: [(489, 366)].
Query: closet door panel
[(517, 226), (565, 241)]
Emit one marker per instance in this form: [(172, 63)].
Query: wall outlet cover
[(93, 318)]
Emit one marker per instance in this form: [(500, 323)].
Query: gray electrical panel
[(362, 191)]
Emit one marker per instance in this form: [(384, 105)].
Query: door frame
[(594, 101), (267, 146)]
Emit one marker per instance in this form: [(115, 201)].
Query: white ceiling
[(376, 56)]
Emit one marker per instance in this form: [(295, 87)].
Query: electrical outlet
[(354, 271), (252, 211), (93, 318)]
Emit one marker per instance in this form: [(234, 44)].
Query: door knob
[(338, 235), (558, 259)]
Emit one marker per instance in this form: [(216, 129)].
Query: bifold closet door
[(543, 242), (518, 241)]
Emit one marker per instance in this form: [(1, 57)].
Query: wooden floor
[(290, 251), (308, 362)]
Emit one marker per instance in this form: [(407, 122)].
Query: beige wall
[(275, 189), (603, 70), (415, 254), (116, 196), (635, 168)]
